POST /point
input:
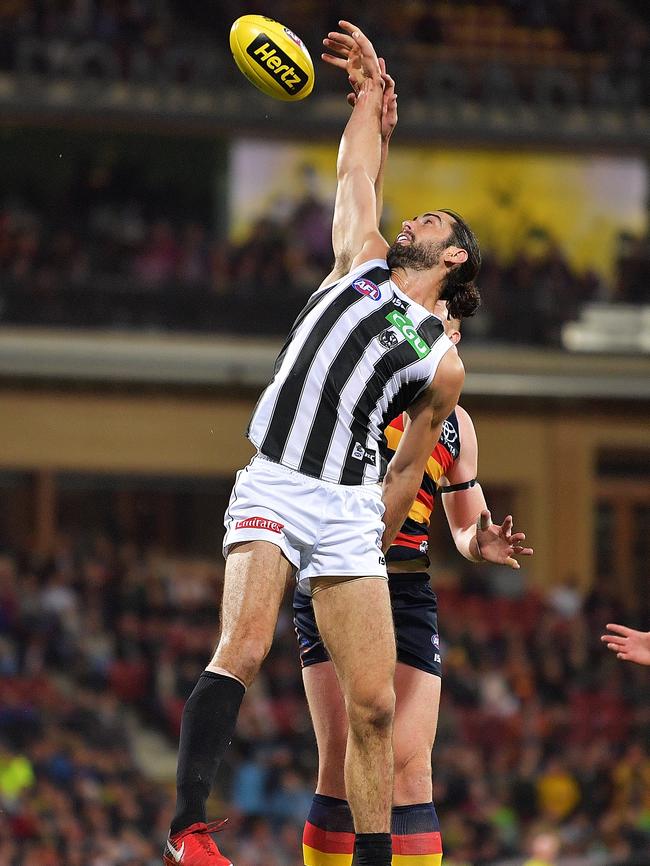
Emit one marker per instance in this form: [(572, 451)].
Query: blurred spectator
[(156, 263), (537, 722), (544, 847), (116, 270)]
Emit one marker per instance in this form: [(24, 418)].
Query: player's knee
[(371, 711), (412, 776), (242, 659)]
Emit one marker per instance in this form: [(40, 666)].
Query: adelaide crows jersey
[(412, 541)]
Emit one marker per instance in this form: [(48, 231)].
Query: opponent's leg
[(329, 828), (255, 578), (330, 722), (355, 621), (415, 826)]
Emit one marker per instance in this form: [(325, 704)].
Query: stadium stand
[(97, 627)]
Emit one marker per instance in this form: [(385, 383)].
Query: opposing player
[(451, 472), (628, 644), (366, 347)]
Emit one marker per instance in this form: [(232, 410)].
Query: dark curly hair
[(459, 289)]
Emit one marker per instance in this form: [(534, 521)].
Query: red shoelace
[(206, 842)]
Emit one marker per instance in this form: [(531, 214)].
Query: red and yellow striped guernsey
[(412, 541)]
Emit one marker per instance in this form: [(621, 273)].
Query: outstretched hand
[(498, 544), (353, 52), (628, 644), (389, 105)]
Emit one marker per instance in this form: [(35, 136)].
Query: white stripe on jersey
[(266, 405), (310, 397), (327, 399)]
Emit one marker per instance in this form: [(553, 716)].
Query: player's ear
[(455, 256), (454, 336)]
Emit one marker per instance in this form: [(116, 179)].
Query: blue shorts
[(415, 614)]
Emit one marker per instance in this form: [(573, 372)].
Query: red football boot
[(194, 846)]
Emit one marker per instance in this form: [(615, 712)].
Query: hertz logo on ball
[(272, 57)]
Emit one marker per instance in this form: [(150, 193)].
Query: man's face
[(421, 241)]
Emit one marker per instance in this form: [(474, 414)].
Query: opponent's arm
[(355, 230), (422, 431), (628, 644), (470, 522)]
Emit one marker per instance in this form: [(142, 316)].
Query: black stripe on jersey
[(341, 368), (386, 367), (412, 527), (286, 405), (429, 485), (318, 295), (431, 330)]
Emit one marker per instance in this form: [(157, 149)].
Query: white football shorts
[(323, 529)]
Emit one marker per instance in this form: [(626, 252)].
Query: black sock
[(207, 726), (373, 849)]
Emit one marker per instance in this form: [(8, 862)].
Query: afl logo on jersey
[(367, 288)]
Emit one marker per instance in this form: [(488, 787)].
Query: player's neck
[(423, 287)]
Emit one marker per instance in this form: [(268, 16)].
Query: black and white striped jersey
[(359, 353)]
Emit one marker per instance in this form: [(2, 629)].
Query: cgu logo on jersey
[(275, 62), (405, 326), (367, 288)]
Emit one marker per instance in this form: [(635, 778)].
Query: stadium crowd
[(114, 267), (602, 48), (540, 728)]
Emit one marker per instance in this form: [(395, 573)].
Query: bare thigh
[(254, 583), (355, 621)]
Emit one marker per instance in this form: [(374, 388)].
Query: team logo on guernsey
[(405, 326), (260, 523), (449, 437), (361, 453), (388, 339), (367, 288)]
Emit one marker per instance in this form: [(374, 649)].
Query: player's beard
[(416, 256)]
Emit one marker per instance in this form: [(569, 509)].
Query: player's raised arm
[(426, 416), (470, 522), (355, 228)]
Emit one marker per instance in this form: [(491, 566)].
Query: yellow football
[(272, 57)]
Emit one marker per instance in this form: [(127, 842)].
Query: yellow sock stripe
[(417, 859), (313, 857)]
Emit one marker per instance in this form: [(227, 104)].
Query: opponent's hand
[(499, 544), (389, 105), (628, 644), (353, 52)]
